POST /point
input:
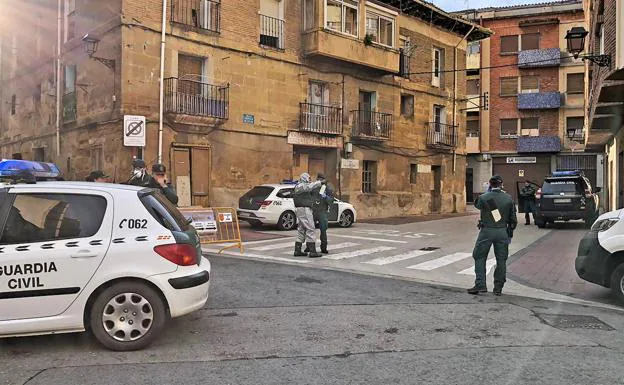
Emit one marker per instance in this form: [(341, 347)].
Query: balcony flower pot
[(369, 39)]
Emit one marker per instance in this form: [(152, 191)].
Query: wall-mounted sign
[(521, 173), (423, 168), (521, 159), (249, 119), (350, 163), (134, 131), (313, 140)]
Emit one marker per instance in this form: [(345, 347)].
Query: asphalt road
[(270, 323)]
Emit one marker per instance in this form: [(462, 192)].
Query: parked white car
[(116, 260), (272, 204)]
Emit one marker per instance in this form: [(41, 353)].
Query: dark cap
[(159, 168), (320, 176), (496, 179), (97, 175), (138, 163)]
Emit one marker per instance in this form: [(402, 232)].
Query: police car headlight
[(604, 224)]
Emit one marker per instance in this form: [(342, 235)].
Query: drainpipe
[(455, 95), (162, 80), (59, 98)]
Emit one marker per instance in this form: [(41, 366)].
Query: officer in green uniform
[(326, 198), (498, 220), (527, 193)]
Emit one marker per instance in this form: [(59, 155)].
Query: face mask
[(138, 173)]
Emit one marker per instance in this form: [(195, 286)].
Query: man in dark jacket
[(141, 178), (527, 193), (304, 196), (323, 203), (498, 219)]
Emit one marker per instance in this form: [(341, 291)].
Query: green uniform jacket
[(528, 192), (499, 200)]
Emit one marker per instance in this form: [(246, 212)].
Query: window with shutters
[(509, 86), (529, 126), (380, 28), (509, 128), (529, 84), (576, 124), (530, 41), (472, 128), (472, 87), (413, 173), (437, 62), (342, 16), (576, 83), (509, 44), (369, 177), (407, 106), (202, 14)]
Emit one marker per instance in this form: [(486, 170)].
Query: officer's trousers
[(488, 237), (323, 225), (305, 225)]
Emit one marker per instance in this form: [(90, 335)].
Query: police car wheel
[(127, 316), (617, 283), (346, 219), (287, 221)]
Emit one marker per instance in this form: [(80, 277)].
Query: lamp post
[(575, 38), (90, 45)]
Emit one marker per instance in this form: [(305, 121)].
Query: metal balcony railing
[(271, 32), (196, 98), (371, 124), (202, 14), (404, 64), (320, 119), (441, 135)]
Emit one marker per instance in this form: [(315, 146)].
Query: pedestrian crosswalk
[(371, 254)]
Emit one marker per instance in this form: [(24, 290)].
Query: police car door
[(52, 243)]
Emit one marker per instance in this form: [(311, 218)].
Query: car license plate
[(563, 200)]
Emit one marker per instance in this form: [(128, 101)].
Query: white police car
[(116, 260), (273, 204)]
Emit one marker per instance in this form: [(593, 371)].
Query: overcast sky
[(457, 5)]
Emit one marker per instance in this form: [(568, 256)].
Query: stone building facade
[(254, 92)]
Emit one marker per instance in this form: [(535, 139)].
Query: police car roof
[(76, 185)]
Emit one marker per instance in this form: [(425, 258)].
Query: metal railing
[(404, 64), (371, 124), (320, 118), (202, 14), (441, 135), (271, 32), (196, 98)]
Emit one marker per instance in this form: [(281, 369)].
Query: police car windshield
[(559, 186)]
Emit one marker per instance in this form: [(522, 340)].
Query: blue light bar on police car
[(12, 167), (288, 181), (567, 173)]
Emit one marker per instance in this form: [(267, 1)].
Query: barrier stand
[(228, 229)]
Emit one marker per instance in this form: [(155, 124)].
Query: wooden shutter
[(509, 44), (529, 83), (530, 41), (509, 127), (509, 86), (576, 83)]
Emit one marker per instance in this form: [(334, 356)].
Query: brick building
[(535, 121), (253, 92), (605, 110)]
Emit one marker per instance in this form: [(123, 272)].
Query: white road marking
[(274, 246), (268, 257), (334, 247), (367, 238), (440, 262), (488, 267), (265, 240), (357, 253), (398, 258)]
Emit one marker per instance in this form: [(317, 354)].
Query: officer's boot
[(307, 249), (313, 253), (324, 248), (298, 252)]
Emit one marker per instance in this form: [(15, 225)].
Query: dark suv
[(564, 196)]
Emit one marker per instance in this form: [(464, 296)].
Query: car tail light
[(538, 194), (180, 254), (265, 203)]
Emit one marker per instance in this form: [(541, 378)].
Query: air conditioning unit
[(486, 157)]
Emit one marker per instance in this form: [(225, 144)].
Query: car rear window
[(286, 193), (258, 193), (559, 186), (163, 210)]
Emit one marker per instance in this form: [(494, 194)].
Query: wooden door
[(316, 166), (182, 174), (436, 193), (200, 176)]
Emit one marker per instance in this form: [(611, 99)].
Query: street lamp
[(90, 45), (575, 38)]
